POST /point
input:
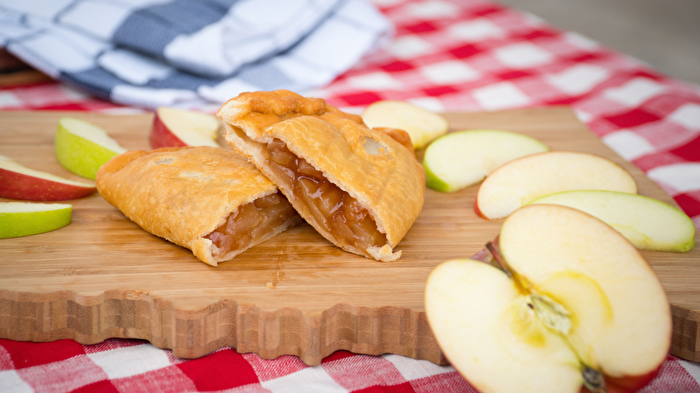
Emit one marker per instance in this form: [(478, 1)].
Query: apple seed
[(593, 380), (551, 313)]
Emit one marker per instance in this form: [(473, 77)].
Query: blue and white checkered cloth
[(190, 53)]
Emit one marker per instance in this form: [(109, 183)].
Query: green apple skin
[(646, 222), (80, 155), (433, 181), (26, 222), (460, 159)]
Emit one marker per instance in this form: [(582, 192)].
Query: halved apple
[(574, 306), (459, 159), (82, 147), (646, 222), (527, 178), (422, 125), (25, 218), (20, 182), (173, 127)]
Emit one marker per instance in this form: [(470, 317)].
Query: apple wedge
[(20, 182), (25, 218), (422, 125), (173, 127), (646, 222), (527, 178), (575, 307), (459, 159), (83, 148)]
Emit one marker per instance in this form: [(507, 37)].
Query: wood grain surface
[(102, 276)]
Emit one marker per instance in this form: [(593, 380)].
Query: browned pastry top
[(181, 194)]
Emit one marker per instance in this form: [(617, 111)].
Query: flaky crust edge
[(113, 180)]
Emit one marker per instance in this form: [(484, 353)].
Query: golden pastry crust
[(373, 168), (398, 135), (183, 194)]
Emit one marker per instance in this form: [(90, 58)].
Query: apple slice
[(83, 148), (20, 182), (646, 222), (422, 125), (575, 305), (527, 178), (174, 127), (24, 218), (459, 159)]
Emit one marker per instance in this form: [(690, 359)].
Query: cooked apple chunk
[(250, 224)]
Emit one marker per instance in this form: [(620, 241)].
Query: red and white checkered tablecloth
[(448, 55)]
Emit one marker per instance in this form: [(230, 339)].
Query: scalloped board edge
[(195, 333)]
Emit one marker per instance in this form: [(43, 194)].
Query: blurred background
[(663, 33)]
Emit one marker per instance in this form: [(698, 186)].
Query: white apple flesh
[(520, 181), (82, 147), (20, 182), (25, 218), (422, 125), (576, 306), (459, 159), (173, 127), (646, 222)]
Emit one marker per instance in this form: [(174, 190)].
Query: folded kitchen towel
[(190, 53)]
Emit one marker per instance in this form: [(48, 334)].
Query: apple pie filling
[(333, 209), (250, 223)]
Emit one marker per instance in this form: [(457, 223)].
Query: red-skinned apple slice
[(646, 222), (574, 306), (520, 181), (20, 182), (173, 127)]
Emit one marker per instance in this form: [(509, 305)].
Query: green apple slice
[(574, 304), (25, 218), (459, 159), (646, 222), (422, 125), (83, 148)]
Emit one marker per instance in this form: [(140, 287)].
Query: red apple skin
[(15, 185), (478, 211), (627, 384), (161, 136)]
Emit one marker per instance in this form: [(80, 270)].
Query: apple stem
[(593, 380), (497, 256), (483, 256), (521, 283)]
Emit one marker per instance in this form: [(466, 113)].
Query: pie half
[(361, 189), (210, 200)]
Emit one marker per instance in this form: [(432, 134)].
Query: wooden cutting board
[(102, 276)]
